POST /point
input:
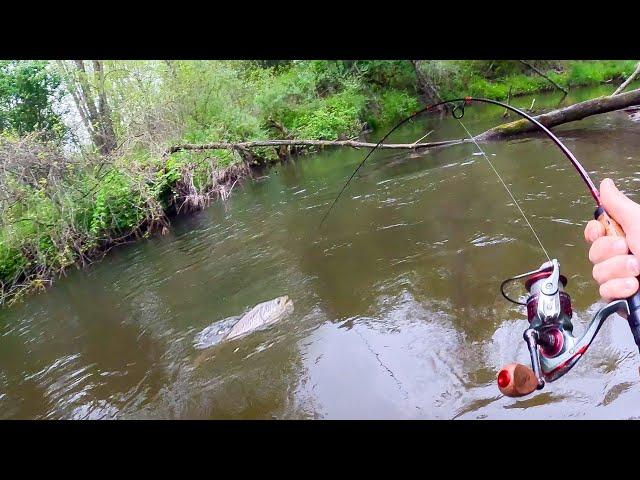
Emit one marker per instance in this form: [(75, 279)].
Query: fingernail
[(634, 266), (630, 282), (608, 182)]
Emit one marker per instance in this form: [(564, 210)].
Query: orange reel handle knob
[(516, 380)]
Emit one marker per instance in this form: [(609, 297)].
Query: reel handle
[(613, 229), (517, 380)]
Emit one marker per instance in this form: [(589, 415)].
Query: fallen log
[(308, 143), (560, 116)]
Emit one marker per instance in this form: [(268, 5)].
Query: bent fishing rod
[(553, 349)]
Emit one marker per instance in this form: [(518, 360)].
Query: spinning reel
[(553, 348)]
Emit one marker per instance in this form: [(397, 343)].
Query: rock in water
[(262, 315)]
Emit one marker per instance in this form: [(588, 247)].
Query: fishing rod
[(553, 349)]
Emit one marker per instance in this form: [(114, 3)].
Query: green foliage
[(276, 64), (339, 114), (393, 105), (499, 89), (386, 74), (495, 78), (118, 205), (595, 71), (11, 261), (280, 97), (27, 92), (30, 233)]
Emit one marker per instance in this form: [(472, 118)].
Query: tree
[(90, 97), (425, 88), (27, 92)]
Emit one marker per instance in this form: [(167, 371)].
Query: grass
[(463, 78)]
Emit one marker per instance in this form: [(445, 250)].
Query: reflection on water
[(397, 308)]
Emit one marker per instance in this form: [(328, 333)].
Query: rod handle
[(516, 380), (613, 229)]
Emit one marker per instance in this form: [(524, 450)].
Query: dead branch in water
[(305, 143)]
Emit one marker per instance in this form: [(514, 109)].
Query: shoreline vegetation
[(88, 156)]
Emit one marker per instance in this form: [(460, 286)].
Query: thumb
[(624, 211)]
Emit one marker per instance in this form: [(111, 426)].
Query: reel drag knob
[(516, 380)]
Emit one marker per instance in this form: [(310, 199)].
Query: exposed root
[(190, 196)]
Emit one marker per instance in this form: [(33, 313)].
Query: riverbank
[(61, 210), (568, 75), (75, 219)]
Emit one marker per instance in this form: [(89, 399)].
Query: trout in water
[(260, 316)]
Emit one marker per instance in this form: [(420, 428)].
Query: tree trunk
[(571, 113), (96, 116), (104, 113), (426, 90), (80, 105)]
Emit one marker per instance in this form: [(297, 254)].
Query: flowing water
[(398, 312)]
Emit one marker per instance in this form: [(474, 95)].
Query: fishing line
[(504, 185)]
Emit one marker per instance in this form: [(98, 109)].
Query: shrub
[(118, 205)]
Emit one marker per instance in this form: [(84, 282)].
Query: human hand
[(616, 259)]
